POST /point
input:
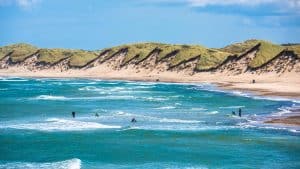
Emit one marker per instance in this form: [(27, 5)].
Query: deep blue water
[(178, 126)]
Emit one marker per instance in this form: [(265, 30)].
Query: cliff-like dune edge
[(253, 56)]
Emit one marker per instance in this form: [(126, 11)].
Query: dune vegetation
[(208, 57)]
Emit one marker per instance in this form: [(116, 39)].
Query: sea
[(178, 125)]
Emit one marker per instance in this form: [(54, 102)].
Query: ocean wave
[(166, 120), (67, 164), (110, 90), (212, 112), (214, 88), (50, 97), (165, 107), (80, 83), (145, 118), (198, 109), (90, 88), (262, 126), (56, 124), (154, 98), (231, 107), (181, 128), (13, 80)]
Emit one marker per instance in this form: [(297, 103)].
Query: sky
[(97, 24)]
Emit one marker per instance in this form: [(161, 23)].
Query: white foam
[(185, 127), (198, 109), (90, 88), (81, 83), (56, 124), (154, 98), (49, 97), (212, 112), (231, 107), (13, 80), (165, 107), (166, 120), (67, 164), (111, 97), (282, 112), (140, 117)]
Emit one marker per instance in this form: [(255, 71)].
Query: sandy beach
[(284, 86)]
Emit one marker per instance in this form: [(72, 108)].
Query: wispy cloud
[(24, 4), (284, 3), (270, 6)]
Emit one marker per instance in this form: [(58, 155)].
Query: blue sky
[(96, 24)]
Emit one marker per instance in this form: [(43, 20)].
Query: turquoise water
[(178, 126)]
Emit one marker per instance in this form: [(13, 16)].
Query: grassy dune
[(53, 55), (18, 51), (209, 58)]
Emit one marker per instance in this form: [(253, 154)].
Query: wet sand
[(292, 120)]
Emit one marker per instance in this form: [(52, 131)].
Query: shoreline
[(269, 85), (293, 120), (286, 87)]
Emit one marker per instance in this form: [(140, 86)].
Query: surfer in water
[(233, 113), (73, 114), (240, 112), (133, 120), (96, 114)]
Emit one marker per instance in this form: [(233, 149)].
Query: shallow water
[(178, 126)]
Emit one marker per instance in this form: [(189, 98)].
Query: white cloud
[(284, 3), (27, 3), (24, 4)]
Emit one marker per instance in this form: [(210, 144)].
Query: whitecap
[(67, 164), (212, 112), (154, 98), (56, 124), (189, 127), (13, 80), (166, 120), (165, 107), (49, 97), (198, 109), (80, 83), (231, 107), (90, 88)]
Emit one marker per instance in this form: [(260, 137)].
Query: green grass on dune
[(240, 48), (166, 49), (80, 58), (139, 50), (187, 52), (19, 51), (52, 56), (211, 59), (266, 52)]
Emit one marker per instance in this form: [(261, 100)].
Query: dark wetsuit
[(133, 120), (73, 114), (240, 112)]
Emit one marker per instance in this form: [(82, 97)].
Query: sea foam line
[(56, 124), (74, 163)]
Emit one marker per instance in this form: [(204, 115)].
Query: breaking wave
[(67, 164), (56, 124)]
